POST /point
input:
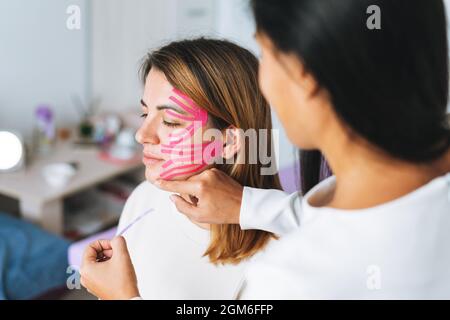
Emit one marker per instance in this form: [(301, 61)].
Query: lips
[(149, 159)]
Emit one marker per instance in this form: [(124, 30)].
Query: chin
[(300, 140), (151, 176)]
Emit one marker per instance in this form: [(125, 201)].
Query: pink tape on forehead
[(198, 113), (180, 116), (183, 106), (185, 97), (197, 156)]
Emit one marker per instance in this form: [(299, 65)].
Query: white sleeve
[(270, 210)]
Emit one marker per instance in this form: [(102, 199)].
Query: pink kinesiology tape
[(187, 157)]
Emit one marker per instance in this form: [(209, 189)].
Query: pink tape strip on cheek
[(184, 147), (198, 113), (196, 170), (185, 134), (191, 152), (188, 166), (205, 155), (192, 158)]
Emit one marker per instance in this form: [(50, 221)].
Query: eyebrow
[(166, 107)]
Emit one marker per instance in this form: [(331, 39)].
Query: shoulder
[(144, 196), (145, 193)]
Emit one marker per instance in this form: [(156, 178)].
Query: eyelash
[(169, 124)]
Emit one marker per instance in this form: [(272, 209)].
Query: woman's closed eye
[(171, 124), (167, 123)]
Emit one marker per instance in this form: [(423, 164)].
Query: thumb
[(119, 247), (184, 207)]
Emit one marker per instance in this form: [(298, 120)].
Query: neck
[(366, 176)]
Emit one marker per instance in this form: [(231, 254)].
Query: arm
[(221, 200), (270, 210)]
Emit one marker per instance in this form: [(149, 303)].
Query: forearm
[(270, 210)]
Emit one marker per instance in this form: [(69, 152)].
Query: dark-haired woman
[(373, 101)]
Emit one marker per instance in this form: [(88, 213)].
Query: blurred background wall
[(42, 61)]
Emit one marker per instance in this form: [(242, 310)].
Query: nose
[(147, 133)]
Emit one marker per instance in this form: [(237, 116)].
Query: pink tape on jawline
[(167, 175), (215, 145), (186, 152), (197, 155)]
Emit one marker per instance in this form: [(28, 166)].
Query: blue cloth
[(32, 261)]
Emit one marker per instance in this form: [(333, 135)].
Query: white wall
[(41, 61), (123, 31), (235, 22)]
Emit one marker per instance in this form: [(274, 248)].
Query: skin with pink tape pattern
[(187, 157)]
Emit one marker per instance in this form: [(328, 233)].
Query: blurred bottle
[(44, 130)]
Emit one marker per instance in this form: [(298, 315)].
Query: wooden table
[(43, 204)]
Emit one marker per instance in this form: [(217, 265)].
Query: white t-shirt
[(398, 250), (167, 250)]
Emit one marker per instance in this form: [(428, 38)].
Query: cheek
[(189, 157), (183, 154), (272, 82), (300, 123), (288, 102), (185, 148), (264, 80), (165, 138)]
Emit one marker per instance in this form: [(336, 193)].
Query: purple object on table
[(44, 116)]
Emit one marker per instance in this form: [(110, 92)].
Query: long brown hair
[(222, 78)]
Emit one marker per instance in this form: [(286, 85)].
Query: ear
[(232, 142)]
